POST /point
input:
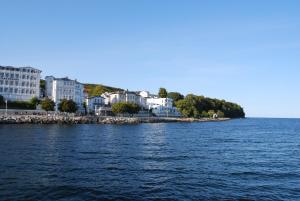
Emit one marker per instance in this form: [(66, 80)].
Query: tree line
[(199, 106)]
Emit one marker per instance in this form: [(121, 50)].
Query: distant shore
[(63, 119)]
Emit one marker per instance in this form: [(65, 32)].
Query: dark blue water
[(251, 159)]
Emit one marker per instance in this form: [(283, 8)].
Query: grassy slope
[(98, 89)]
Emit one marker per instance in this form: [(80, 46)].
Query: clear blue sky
[(242, 51)]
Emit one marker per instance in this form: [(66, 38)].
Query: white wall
[(19, 83)]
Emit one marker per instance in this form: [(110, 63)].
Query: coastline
[(62, 119)]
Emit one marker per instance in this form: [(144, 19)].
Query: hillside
[(98, 89)]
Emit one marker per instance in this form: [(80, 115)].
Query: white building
[(163, 111), (122, 96), (58, 89), (166, 102), (92, 103), (159, 106), (19, 84)]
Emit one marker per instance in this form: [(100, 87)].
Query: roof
[(124, 92), (63, 79), (20, 68)]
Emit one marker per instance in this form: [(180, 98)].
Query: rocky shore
[(61, 119)]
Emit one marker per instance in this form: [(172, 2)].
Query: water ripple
[(251, 159)]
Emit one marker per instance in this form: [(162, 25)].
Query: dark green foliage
[(22, 105), (200, 106), (35, 101), (123, 108), (43, 84), (162, 93), (67, 106), (98, 89), (84, 107), (176, 96), (48, 104)]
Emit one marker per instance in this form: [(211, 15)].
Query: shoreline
[(62, 119)]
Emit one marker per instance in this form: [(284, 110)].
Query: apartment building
[(19, 83)]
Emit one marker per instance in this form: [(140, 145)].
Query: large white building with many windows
[(159, 106), (58, 89), (19, 83), (123, 96)]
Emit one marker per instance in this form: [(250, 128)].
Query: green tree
[(43, 84), (162, 93), (220, 114), (67, 106), (211, 113), (34, 101), (125, 108), (48, 104), (200, 106), (134, 108), (204, 114), (119, 108), (176, 96)]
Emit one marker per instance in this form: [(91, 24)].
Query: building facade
[(166, 102), (19, 83), (122, 96), (92, 103), (162, 107), (58, 89)]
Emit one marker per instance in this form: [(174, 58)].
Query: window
[(10, 90), (7, 75), (1, 89), (23, 76), (5, 89), (1, 82), (17, 76), (16, 90), (12, 75), (6, 82), (16, 83), (23, 91), (11, 82)]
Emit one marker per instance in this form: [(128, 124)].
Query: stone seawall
[(61, 119)]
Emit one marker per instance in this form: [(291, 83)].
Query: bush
[(48, 105), (35, 101), (123, 108), (23, 105), (20, 105)]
